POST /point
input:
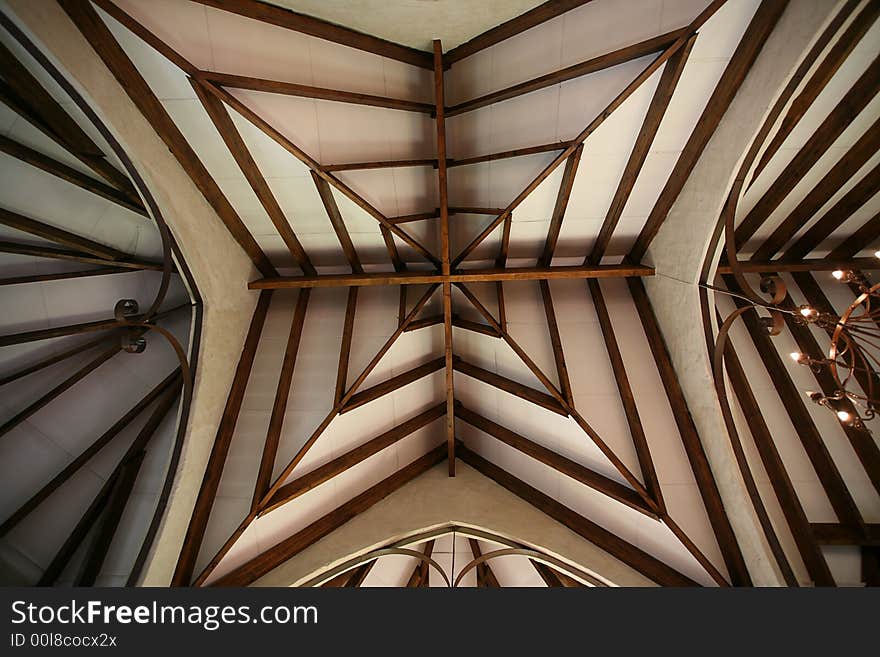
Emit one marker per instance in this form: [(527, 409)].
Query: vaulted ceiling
[(448, 222)]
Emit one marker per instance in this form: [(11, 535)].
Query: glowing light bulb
[(796, 356), (844, 417), (806, 311), (838, 274), (877, 254)]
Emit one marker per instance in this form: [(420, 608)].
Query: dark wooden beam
[(475, 210), (465, 276), (556, 343), (786, 495), (627, 398), (637, 82), (282, 393), (503, 155), (565, 187), (380, 164), (337, 466), (508, 29), (337, 222), (392, 384), (102, 41), (547, 574), (440, 111), (360, 574), (269, 559), (57, 358), (71, 175), (843, 114), (656, 111), (750, 46), (476, 327), (866, 234), (845, 168), (614, 58), (419, 216), (305, 91), (510, 386), (485, 576), (44, 231), (60, 276), (419, 577), (345, 345), (824, 72), (74, 256), (638, 559), (71, 468), (339, 581), (831, 533), (807, 265), (792, 400), (316, 27), (569, 468), (59, 389), (224, 125), (690, 438), (862, 192), (871, 566), (198, 522)]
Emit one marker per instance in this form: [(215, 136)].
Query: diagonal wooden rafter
[(556, 342), (224, 125), (485, 576), (58, 235), (637, 82), (337, 222), (510, 386), (394, 383), (565, 187), (747, 51), (419, 577), (75, 256), (111, 53)]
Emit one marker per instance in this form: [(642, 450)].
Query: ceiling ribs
[(830, 533), (533, 17), (338, 224), (264, 562), (627, 398), (555, 343), (394, 383), (360, 574), (104, 44), (105, 494), (345, 344), (198, 523), (337, 466), (69, 174), (690, 438), (634, 557), (466, 276), (504, 155), (57, 235), (444, 252), (282, 393), (509, 386), (656, 111), (832, 482), (485, 577), (806, 265), (379, 164), (842, 171), (602, 62), (795, 516), (285, 473), (224, 125), (316, 27), (867, 233), (824, 72), (551, 579), (75, 256), (646, 73), (562, 197), (40, 278), (56, 358), (419, 577), (457, 322), (747, 51), (26, 97), (560, 464), (843, 114)]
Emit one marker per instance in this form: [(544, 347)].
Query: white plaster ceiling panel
[(182, 25)]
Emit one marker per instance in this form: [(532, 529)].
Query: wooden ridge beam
[(690, 438), (656, 111), (631, 88), (509, 386), (844, 169), (464, 276), (569, 468), (291, 20), (198, 522), (826, 470), (111, 53), (269, 559), (282, 393), (638, 559), (305, 91), (562, 197), (343, 463), (75, 256), (71, 468), (843, 114), (614, 58), (236, 146), (824, 72), (69, 174), (627, 398), (394, 383), (786, 495), (747, 51), (509, 29)]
